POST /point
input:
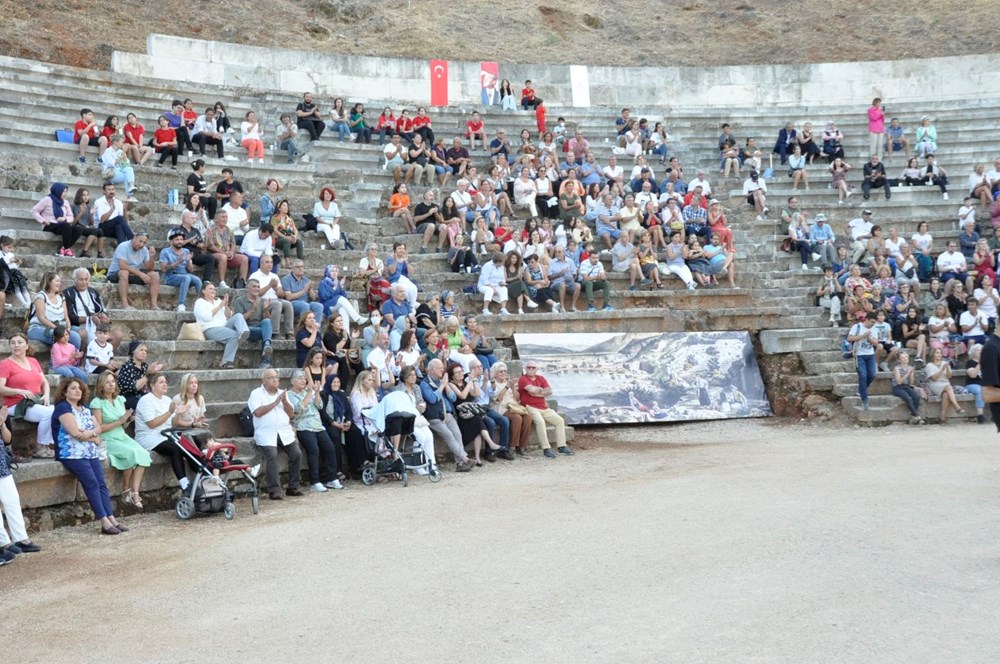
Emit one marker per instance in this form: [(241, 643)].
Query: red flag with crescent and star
[(439, 82)]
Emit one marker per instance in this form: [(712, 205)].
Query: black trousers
[(204, 140)]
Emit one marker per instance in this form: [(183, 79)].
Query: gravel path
[(742, 541)]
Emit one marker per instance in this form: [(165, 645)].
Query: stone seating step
[(886, 409)]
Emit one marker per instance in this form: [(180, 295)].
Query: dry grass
[(627, 32)]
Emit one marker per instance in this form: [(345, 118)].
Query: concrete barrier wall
[(370, 78)]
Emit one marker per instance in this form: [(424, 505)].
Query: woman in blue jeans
[(49, 311), (76, 437)]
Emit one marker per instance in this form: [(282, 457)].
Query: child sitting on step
[(10, 273)]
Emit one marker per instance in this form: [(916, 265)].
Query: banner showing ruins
[(649, 377)]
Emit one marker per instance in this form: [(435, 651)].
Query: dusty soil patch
[(628, 32), (724, 542)]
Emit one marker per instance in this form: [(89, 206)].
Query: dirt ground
[(624, 33), (740, 541)]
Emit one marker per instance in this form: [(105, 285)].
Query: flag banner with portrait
[(649, 377), (489, 83)]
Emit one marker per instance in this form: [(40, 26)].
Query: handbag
[(468, 410), (517, 409), (786, 245), (191, 332), (108, 173), (22, 407)]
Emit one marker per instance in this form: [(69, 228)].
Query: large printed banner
[(658, 377), (439, 82), (489, 83)]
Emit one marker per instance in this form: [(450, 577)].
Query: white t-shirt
[(979, 323), (101, 207), (245, 129), (863, 346), (706, 188), (892, 247), (614, 173), (102, 354), (966, 213), (364, 265), (944, 332), (237, 218), (274, 425), (993, 175), (263, 279), (921, 241), (988, 305), (859, 228), (750, 186), (390, 151), (377, 360), (950, 261), (254, 245), (203, 314), (149, 408)]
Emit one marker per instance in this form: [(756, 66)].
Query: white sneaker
[(555, 308), (334, 484), (250, 161), (504, 312), (804, 267), (317, 488), (944, 196), (520, 311), (229, 157), (486, 312), (260, 160), (692, 286), (816, 257), (223, 286), (849, 192), (181, 308), (190, 154), (532, 304)]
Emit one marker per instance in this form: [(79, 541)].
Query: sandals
[(137, 500), (127, 496), (44, 452)]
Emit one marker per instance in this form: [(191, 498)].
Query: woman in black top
[(427, 312), (197, 184), (339, 421), (974, 379), (337, 348), (132, 376), (307, 337), (463, 391)]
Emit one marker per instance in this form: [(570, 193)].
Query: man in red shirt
[(528, 99), (87, 133), (532, 390)]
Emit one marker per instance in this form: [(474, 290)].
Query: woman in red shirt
[(475, 127), (386, 125), (21, 379), (136, 150), (165, 142), (110, 128), (422, 126), (404, 125), (189, 115)]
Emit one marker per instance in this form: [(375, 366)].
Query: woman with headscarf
[(339, 419), (332, 294), (56, 217)]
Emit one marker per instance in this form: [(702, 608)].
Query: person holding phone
[(124, 453)]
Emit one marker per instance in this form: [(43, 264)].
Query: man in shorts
[(133, 264)]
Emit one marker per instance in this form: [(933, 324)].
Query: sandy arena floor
[(753, 541)]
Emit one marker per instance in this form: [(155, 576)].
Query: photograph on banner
[(649, 377), (489, 83)]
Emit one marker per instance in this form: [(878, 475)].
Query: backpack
[(246, 422)]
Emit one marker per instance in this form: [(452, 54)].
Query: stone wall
[(372, 78)]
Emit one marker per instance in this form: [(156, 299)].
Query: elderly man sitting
[(563, 277), (533, 389), (272, 429), (134, 260), (283, 316), (399, 316), (300, 291), (440, 414)]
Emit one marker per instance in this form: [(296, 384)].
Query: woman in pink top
[(876, 128)]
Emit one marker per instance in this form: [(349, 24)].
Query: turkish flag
[(439, 82)]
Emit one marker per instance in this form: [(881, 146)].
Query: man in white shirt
[(237, 220), (272, 291), (592, 274), (463, 200), (973, 323), (994, 177), (272, 429), (206, 131), (382, 360), (615, 176), (257, 244), (700, 181), (951, 264), (395, 157), (861, 232), (754, 189), (493, 284), (112, 216)]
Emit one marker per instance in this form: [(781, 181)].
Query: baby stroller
[(397, 418), (208, 493)]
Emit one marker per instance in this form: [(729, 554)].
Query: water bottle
[(170, 197), (175, 197)]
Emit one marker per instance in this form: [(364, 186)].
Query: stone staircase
[(774, 298)]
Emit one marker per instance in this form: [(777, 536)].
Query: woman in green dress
[(124, 453)]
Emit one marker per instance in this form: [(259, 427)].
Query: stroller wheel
[(406, 478), (229, 511), (434, 475), (255, 503), (368, 475), (184, 508)]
